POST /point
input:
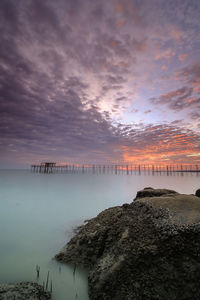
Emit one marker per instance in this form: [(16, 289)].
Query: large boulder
[(183, 209), (23, 291), (150, 192), (148, 249)]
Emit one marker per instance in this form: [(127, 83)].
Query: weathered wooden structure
[(52, 167), (44, 167)]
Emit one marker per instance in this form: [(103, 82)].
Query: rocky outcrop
[(150, 192), (184, 209), (148, 249), (23, 291)]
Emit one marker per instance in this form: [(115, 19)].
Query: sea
[(39, 212)]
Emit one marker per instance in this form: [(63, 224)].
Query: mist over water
[(39, 211)]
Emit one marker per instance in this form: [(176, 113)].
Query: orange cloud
[(164, 68), (183, 57), (120, 23), (113, 44), (176, 34), (119, 7), (191, 74), (123, 64), (174, 148), (193, 99), (165, 54), (140, 45)]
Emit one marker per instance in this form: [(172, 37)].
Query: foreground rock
[(149, 249), (23, 291)]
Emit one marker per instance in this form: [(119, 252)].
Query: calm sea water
[(39, 211)]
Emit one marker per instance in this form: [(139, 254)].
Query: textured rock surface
[(150, 192), (184, 209), (144, 250), (23, 291)]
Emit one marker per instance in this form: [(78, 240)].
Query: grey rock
[(148, 249), (150, 192), (23, 291)]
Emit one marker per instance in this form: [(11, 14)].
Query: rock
[(23, 291), (148, 249), (183, 209), (150, 192), (197, 193)]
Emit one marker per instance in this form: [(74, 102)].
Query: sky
[(99, 81)]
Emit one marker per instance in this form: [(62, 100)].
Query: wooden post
[(167, 170), (152, 169), (127, 172), (139, 170)]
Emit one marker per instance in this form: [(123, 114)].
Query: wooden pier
[(52, 167), (46, 167)]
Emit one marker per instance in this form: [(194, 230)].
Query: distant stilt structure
[(45, 167), (119, 168)]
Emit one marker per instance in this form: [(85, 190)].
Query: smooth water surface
[(39, 211)]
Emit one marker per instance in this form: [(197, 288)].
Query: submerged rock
[(23, 291), (148, 249)]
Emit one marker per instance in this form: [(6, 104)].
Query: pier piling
[(52, 167)]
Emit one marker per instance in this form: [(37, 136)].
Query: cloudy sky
[(98, 80)]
